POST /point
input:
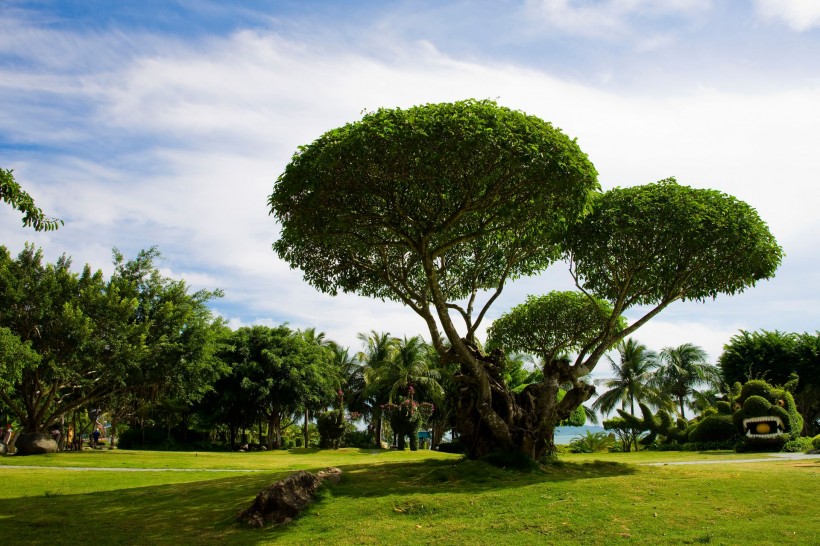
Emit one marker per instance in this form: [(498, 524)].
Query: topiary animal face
[(766, 416)]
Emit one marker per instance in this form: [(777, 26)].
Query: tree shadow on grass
[(201, 512), (204, 512), (433, 476)]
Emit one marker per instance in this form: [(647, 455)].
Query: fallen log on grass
[(282, 501)]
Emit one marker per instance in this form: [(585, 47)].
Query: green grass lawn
[(411, 498)]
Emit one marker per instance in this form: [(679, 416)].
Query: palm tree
[(378, 349), (632, 376), (409, 366), (682, 369)]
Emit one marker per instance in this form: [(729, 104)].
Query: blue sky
[(167, 123)]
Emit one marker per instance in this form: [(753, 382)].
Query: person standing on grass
[(96, 437)]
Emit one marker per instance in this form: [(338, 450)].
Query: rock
[(3, 448), (35, 443), (282, 501)]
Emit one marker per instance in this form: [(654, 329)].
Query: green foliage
[(364, 206), (815, 442), (551, 325), (332, 426), (766, 416), (626, 431), (632, 377), (714, 428), (592, 442), (138, 332), (707, 243), (798, 445), (406, 419), (14, 195), (776, 357), (431, 205), (358, 438), (682, 369), (275, 372), (146, 438)]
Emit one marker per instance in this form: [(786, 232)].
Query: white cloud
[(205, 131), (799, 15), (609, 18)]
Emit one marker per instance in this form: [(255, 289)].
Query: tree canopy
[(431, 204), (69, 339)]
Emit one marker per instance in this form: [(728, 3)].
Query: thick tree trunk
[(523, 422)]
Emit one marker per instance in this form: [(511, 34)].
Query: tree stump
[(282, 501)]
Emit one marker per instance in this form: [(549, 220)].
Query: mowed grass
[(411, 498)]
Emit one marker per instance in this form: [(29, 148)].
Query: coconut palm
[(632, 377), (682, 369), (408, 367), (378, 349)]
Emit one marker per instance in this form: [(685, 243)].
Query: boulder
[(35, 443), (3, 448), (282, 501)]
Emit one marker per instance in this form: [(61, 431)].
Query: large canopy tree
[(438, 206), (137, 332)]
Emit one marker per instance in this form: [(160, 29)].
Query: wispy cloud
[(799, 15), (177, 142), (609, 19)]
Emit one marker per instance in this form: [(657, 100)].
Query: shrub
[(592, 442), (714, 428), (332, 426), (358, 438), (798, 445), (816, 442)]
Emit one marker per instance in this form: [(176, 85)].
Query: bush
[(714, 428), (358, 438), (816, 442), (592, 442), (798, 445)]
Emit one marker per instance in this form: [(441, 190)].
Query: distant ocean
[(564, 435)]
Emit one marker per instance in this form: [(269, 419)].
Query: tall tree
[(96, 338), (682, 369), (18, 198), (632, 377), (180, 334), (437, 206), (87, 344), (378, 351), (282, 372)]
